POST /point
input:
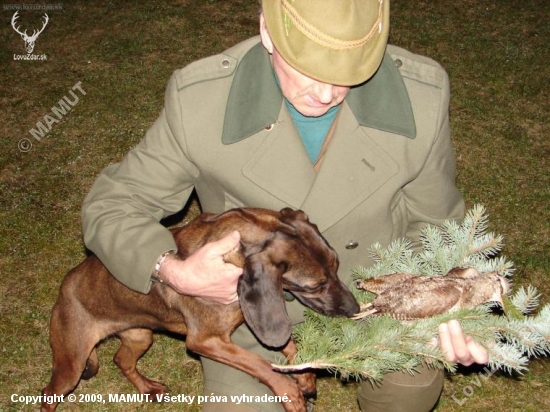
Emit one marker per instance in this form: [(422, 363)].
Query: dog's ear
[(262, 303), (291, 214)]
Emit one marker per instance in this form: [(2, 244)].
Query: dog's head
[(284, 251)]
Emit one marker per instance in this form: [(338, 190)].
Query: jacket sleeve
[(432, 197), (121, 214)]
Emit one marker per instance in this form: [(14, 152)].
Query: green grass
[(496, 53)]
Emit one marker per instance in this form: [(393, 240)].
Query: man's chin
[(309, 111)]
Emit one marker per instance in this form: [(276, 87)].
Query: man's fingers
[(446, 342), (460, 348), (477, 352), (227, 244)]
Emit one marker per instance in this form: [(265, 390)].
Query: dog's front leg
[(232, 355), (307, 381)]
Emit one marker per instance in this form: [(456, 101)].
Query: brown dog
[(279, 251)]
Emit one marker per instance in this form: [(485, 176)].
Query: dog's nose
[(351, 308), (348, 305)]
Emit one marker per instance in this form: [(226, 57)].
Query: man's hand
[(459, 348), (204, 273)]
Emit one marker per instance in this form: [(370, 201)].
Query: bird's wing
[(418, 298)]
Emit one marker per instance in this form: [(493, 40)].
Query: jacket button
[(270, 127), (398, 63), (352, 244), (226, 63)]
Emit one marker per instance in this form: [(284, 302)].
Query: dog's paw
[(156, 390), (307, 382), (296, 401), (295, 405)]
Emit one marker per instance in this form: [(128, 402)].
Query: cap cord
[(325, 40)]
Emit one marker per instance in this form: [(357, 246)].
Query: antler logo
[(29, 40)]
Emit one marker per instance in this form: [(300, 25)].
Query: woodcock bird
[(407, 296)]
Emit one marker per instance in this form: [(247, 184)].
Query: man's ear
[(264, 35)]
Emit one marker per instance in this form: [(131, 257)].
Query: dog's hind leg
[(71, 347), (133, 345), (66, 374), (92, 366)]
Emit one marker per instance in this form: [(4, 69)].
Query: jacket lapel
[(281, 165), (354, 166), (353, 169), (254, 99)]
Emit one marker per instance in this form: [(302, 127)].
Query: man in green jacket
[(317, 113)]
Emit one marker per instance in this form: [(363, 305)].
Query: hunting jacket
[(224, 131)]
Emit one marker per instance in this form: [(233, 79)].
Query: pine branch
[(526, 300), (374, 346), (369, 348)]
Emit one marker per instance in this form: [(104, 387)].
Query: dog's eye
[(310, 288)]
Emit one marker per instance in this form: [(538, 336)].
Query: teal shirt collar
[(255, 99)]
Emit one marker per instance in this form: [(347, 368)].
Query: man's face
[(310, 97)]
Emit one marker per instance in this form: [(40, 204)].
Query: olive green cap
[(340, 42)]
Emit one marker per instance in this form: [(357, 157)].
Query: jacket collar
[(255, 99)]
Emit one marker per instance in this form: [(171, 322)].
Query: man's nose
[(324, 92)]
